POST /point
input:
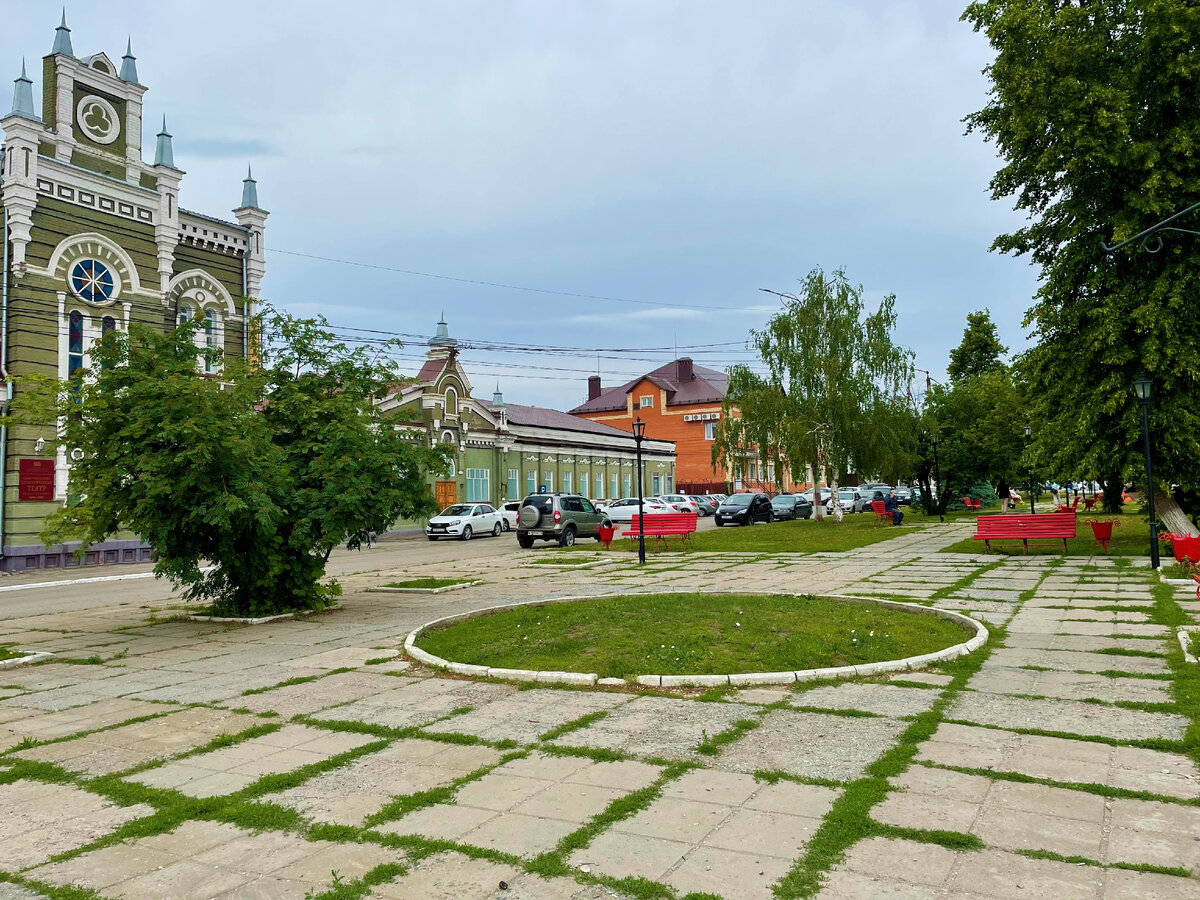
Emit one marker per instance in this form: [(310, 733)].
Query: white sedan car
[(681, 502), (464, 521), (509, 511), (624, 510)]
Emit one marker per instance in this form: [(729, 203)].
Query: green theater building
[(94, 240), (504, 451)]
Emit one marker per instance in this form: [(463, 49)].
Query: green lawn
[(429, 582), (1131, 537), (800, 536), (691, 634)]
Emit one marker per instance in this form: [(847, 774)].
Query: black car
[(745, 509), (791, 506)]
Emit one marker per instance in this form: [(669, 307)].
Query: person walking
[(892, 505)]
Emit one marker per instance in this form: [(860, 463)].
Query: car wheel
[(568, 538), (497, 530), (507, 527), (524, 541), (466, 535)]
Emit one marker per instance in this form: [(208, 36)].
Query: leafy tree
[(833, 398), (260, 474), (980, 349), (1095, 110)]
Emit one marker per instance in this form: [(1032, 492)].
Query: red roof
[(705, 386), (540, 417)]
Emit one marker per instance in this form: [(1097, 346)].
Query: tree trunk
[(1114, 486), (833, 495), (1173, 518)]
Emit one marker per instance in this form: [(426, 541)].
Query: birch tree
[(834, 396)]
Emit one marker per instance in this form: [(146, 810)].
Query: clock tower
[(95, 241)]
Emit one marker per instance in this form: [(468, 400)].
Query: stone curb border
[(26, 660), (553, 566), (1180, 582), (1183, 634), (263, 620), (738, 679), (418, 590)]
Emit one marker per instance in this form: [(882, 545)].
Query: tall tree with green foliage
[(260, 473), (980, 349), (1095, 110), (835, 393)]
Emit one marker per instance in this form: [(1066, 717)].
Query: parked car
[(847, 498), (558, 517), (510, 511), (706, 503), (875, 486), (681, 502), (791, 506), (464, 521), (744, 509), (904, 495), (867, 496), (623, 510)]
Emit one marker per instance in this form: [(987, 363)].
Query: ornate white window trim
[(90, 245)]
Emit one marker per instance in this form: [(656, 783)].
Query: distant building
[(95, 239), (504, 451), (679, 402)]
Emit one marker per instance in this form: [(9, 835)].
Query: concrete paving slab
[(526, 715), (882, 699), (658, 726)]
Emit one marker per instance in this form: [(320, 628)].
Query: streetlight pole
[(933, 439), (1028, 435), (639, 432), (1142, 387)]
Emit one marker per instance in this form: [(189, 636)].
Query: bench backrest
[(1050, 525), (878, 507), (666, 523)]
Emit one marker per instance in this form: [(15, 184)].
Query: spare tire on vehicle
[(529, 516)]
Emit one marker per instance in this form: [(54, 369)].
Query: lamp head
[(1028, 431), (1141, 387), (639, 429)]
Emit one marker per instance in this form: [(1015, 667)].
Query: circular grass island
[(694, 637)]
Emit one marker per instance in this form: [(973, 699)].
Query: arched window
[(74, 342), (210, 341), (185, 313), (451, 402)]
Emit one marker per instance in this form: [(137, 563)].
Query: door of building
[(446, 493)]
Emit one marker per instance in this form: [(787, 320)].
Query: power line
[(496, 284)]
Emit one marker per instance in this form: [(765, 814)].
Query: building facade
[(681, 402), (504, 451), (94, 240)]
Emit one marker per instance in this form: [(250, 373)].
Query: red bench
[(1025, 528), (881, 514), (972, 505), (663, 525)]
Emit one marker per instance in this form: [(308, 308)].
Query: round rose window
[(91, 280)]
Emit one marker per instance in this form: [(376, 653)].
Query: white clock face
[(98, 119)]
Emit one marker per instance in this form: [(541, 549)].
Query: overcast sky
[(680, 154)]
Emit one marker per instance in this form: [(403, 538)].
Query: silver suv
[(558, 517)]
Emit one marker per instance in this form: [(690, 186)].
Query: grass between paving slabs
[(7, 652), (428, 582), (1129, 538), (691, 634)]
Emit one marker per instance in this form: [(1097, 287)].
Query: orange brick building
[(679, 402)]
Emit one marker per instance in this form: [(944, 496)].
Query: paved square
[(42, 820), (230, 769), (346, 796), (526, 715)]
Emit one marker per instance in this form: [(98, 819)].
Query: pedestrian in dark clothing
[(892, 505)]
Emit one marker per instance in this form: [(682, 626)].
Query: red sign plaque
[(36, 480)]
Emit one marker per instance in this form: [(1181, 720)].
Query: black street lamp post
[(639, 432), (1142, 387), (1028, 435)]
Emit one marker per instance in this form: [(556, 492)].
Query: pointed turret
[(442, 338), (497, 397), (62, 37), (23, 96), (164, 152), (129, 63), (249, 190)]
